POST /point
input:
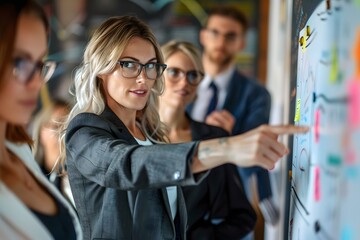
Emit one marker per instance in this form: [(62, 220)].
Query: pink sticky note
[(317, 183), (354, 103), (350, 157), (317, 125)]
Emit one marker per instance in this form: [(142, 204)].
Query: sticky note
[(334, 160), (303, 41), (354, 103), (308, 31), (351, 172), (297, 111), (350, 157), (347, 233), (356, 51), (317, 184), (317, 126), (328, 5), (334, 66)]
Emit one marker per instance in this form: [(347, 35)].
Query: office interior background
[(266, 56)]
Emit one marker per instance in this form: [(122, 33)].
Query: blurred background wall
[(73, 21)]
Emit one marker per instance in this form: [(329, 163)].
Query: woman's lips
[(139, 92)]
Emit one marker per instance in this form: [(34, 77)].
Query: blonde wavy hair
[(189, 49), (100, 57)]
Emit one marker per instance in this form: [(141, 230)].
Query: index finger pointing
[(288, 129)]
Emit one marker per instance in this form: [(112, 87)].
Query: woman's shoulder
[(87, 119), (104, 119)]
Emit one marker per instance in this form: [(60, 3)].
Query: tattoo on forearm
[(223, 140), (204, 152)]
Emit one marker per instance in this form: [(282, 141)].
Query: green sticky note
[(334, 160), (297, 112), (334, 66)]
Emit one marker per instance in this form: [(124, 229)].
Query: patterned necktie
[(214, 98)]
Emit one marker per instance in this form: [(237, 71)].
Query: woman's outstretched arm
[(258, 147)]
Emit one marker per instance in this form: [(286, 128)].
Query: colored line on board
[(316, 97), (297, 197)]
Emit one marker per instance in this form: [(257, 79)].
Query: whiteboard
[(325, 181)]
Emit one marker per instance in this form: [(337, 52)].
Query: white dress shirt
[(171, 190)]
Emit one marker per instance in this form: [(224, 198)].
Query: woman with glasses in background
[(121, 173), (217, 207), (30, 206)]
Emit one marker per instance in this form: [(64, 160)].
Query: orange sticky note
[(354, 103), (356, 50), (317, 183)]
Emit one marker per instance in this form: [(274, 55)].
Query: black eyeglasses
[(132, 69), (24, 69), (193, 77)]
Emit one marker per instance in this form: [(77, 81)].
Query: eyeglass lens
[(24, 69), (133, 69), (193, 77), (231, 36)]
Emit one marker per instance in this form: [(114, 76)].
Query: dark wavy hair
[(10, 10)]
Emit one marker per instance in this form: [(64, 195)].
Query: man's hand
[(222, 118)]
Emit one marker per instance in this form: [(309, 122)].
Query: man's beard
[(222, 61)]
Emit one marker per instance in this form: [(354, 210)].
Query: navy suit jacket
[(219, 197), (118, 185), (249, 103)]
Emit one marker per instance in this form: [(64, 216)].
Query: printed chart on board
[(325, 185)]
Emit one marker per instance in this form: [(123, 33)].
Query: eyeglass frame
[(34, 66), (140, 68), (185, 74), (229, 37)]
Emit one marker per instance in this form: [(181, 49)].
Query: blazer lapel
[(236, 89), (19, 217), (23, 153), (121, 131)]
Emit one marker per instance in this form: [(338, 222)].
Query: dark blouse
[(60, 225), (217, 207)]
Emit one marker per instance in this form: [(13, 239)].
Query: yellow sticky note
[(297, 112), (302, 42)]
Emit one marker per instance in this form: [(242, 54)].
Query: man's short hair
[(229, 12)]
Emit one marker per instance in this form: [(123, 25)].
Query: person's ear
[(242, 43), (101, 77), (202, 36)]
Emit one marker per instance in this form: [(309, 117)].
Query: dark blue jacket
[(250, 104)]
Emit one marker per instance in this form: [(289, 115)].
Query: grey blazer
[(118, 185)]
